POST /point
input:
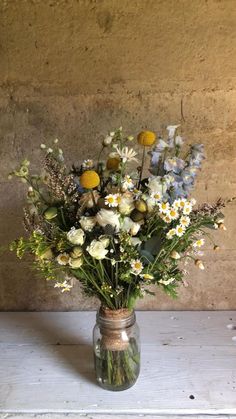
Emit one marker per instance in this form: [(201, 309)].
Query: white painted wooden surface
[(46, 366)]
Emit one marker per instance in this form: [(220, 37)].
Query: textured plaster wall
[(75, 69)]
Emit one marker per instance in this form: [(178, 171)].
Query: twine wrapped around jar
[(114, 327)]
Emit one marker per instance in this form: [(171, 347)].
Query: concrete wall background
[(75, 69)]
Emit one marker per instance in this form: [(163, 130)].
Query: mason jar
[(116, 349)]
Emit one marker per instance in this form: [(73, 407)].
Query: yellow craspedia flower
[(113, 163), (89, 179), (146, 138)]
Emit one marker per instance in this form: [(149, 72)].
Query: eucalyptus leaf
[(153, 245), (147, 256)]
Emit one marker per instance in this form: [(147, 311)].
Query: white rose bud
[(76, 252), (97, 250), (76, 236), (75, 263)]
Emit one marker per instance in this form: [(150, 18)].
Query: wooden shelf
[(188, 366)]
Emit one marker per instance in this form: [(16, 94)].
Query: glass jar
[(116, 349)]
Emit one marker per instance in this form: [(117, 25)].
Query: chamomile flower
[(166, 218), (127, 183), (171, 233), (164, 207), (179, 230), (156, 196), (173, 214), (136, 266), (181, 203), (167, 281), (87, 164), (112, 200), (187, 208), (126, 154), (63, 285), (176, 204), (199, 243), (184, 220), (63, 259)]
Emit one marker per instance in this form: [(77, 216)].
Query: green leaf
[(153, 245)]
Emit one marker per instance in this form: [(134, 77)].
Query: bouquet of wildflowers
[(112, 227)]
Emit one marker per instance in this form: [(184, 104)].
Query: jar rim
[(115, 319)]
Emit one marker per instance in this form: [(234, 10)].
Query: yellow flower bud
[(146, 138), (113, 163), (50, 213), (89, 179), (141, 206), (175, 255), (199, 264)]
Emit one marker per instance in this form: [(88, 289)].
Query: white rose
[(87, 223), (75, 263), (126, 204), (155, 185), (130, 226), (104, 240), (97, 250), (76, 236), (105, 217)]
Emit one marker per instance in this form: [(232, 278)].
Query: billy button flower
[(113, 163), (89, 179), (146, 138)]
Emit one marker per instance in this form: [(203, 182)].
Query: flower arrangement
[(115, 230)]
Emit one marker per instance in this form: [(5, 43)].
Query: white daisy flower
[(175, 204), (63, 259), (199, 243), (127, 183), (171, 233), (166, 218), (87, 164), (184, 220), (193, 201), (156, 196), (173, 214), (126, 154), (63, 285), (179, 230), (136, 266), (187, 208), (112, 200), (181, 203), (164, 207)]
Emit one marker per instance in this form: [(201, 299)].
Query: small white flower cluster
[(63, 285), (180, 209)]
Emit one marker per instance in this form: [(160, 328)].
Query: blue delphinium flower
[(174, 164)]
